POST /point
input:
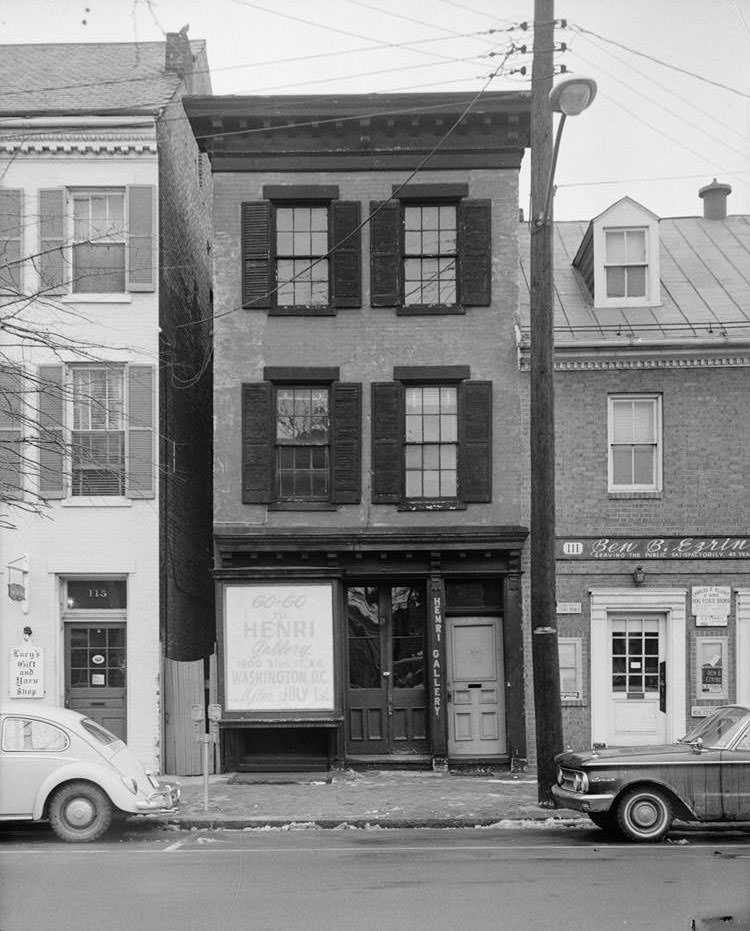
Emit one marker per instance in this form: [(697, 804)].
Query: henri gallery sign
[(278, 648), (653, 548)]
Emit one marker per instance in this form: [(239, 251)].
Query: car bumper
[(580, 801), (164, 799)]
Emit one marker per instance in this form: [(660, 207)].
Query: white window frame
[(70, 422), (656, 485), (577, 644), (81, 193), (627, 299)]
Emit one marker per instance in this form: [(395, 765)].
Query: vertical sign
[(437, 671), (26, 678)]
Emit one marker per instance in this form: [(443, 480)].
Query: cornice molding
[(78, 143)]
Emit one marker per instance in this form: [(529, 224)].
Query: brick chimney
[(714, 197), (178, 56)]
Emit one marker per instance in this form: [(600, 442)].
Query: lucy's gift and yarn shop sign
[(278, 648), (26, 679), (654, 548)]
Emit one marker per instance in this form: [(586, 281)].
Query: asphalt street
[(152, 877)]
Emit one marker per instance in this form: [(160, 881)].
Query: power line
[(658, 61)]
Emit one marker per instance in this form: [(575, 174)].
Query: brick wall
[(186, 369), (366, 343)]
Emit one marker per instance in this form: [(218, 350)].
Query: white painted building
[(82, 462)]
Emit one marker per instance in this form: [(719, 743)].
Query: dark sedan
[(639, 791)]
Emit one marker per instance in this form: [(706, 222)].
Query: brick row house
[(652, 350), (105, 375), (369, 520)]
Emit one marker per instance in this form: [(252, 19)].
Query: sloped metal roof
[(59, 78), (705, 288)]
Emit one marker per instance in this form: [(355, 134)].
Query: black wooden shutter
[(141, 238), (141, 451), (51, 441), (475, 252), (387, 443), (475, 441), (257, 259), (385, 254), (257, 443), (346, 260), (52, 277), (346, 443), (11, 407)]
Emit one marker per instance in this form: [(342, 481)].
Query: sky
[(672, 110)]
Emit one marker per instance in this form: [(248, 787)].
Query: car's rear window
[(98, 732), (32, 735)]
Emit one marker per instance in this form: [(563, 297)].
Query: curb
[(238, 824)]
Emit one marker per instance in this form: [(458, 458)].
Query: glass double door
[(386, 690)]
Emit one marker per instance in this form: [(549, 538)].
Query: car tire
[(80, 812), (644, 814), (605, 820)]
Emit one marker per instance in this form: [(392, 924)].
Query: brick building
[(369, 457), (105, 368), (652, 348)]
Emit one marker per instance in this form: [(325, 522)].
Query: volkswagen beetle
[(60, 766), (639, 791)]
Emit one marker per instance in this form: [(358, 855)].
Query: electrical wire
[(659, 61)]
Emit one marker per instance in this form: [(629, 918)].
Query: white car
[(58, 765)]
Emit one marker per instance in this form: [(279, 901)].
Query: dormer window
[(625, 262), (618, 258)]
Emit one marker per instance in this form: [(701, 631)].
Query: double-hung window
[(97, 241), (96, 431), (431, 441), (635, 443), (301, 250), (98, 434), (430, 250), (431, 438), (301, 439), (626, 264)]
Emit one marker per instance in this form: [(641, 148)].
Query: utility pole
[(542, 414)]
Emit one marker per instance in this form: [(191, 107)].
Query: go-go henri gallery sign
[(278, 648), (654, 548)]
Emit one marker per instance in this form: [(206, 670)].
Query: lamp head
[(572, 95)]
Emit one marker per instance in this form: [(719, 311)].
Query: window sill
[(432, 504), (302, 506), (302, 312), (100, 501), (429, 310), (627, 495), (96, 299)]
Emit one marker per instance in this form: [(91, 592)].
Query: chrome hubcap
[(79, 812), (645, 814)]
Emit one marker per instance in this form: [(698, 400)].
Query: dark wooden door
[(386, 695), (95, 673)]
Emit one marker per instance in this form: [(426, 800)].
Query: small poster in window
[(711, 666), (97, 678)]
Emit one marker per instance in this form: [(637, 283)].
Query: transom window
[(99, 236), (98, 440), (635, 443), (301, 263), (431, 453), (625, 262), (303, 428), (430, 253), (635, 656)]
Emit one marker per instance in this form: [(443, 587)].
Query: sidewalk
[(386, 799)]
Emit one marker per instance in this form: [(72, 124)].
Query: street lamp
[(568, 98)]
